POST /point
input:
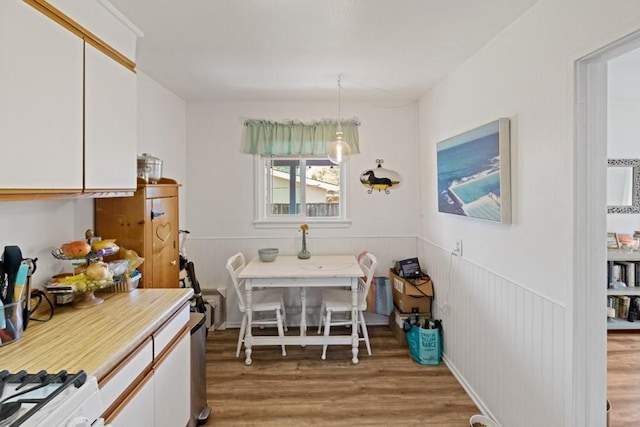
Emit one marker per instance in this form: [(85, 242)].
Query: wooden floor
[(385, 389), (623, 378)]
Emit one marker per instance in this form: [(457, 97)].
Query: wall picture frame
[(474, 173), (612, 241)]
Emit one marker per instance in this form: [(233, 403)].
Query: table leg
[(247, 334), (303, 313), (355, 341)]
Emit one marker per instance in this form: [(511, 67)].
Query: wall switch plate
[(458, 249)]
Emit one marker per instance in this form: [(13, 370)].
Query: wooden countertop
[(93, 339)]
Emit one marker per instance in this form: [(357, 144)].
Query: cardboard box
[(214, 304), (397, 332), (396, 322), (412, 296)]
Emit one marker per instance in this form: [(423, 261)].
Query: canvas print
[(474, 173)]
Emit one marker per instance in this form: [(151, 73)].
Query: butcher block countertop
[(93, 339)]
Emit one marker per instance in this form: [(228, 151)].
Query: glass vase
[(304, 253)]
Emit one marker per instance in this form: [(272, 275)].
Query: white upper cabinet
[(110, 123), (40, 102), (103, 20), (68, 97)]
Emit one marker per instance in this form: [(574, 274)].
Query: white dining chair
[(339, 301), (328, 293), (261, 301)]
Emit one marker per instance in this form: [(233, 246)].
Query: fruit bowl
[(59, 254), (86, 287)]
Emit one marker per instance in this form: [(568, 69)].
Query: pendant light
[(339, 151)]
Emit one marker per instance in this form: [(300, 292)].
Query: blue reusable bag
[(425, 345)]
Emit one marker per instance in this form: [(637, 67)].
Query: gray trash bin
[(199, 409)]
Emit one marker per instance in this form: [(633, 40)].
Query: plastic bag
[(134, 259), (425, 345)]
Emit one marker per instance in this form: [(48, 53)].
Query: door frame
[(589, 348)]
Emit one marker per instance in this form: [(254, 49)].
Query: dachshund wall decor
[(379, 178)]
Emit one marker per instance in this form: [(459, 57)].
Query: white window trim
[(261, 220)]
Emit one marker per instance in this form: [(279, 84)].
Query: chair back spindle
[(368, 263), (235, 264)]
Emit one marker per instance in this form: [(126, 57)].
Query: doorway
[(589, 330)]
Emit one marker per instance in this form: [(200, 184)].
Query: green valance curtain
[(297, 138)]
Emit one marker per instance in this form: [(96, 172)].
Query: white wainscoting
[(209, 255), (505, 343)]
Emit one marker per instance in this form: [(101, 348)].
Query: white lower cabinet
[(137, 410), (162, 396), (172, 384)]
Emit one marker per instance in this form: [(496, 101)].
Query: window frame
[(261, 186)]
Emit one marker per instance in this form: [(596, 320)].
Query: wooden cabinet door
[(164, 242), (40, 102), (110, 123)]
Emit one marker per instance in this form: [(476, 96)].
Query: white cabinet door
[(172, 382), (137, 409), (40, 101), (110, 124)]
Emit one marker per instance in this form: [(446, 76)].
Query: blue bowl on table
[(267, 254)]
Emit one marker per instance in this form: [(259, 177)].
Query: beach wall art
[(474, 173)]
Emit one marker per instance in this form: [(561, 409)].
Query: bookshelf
[(621, 258)]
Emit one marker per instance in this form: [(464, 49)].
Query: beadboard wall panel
[(210, 255), (505, 343)]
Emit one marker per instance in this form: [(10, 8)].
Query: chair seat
[(339, 300), (266, 300)]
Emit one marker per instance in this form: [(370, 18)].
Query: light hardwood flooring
[(384, 389), (623, 378)]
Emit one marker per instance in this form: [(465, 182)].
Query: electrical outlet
[(458, 250)]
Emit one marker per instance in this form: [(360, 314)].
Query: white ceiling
[(385, 51)]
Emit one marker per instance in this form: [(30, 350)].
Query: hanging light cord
[(339, 129)]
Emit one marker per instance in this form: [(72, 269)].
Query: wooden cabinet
[(147, 223), (40, 102), (627, 264)]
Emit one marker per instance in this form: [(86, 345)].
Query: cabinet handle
[(156, 215), (173, 262)]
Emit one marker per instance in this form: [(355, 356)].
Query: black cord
[(36, 293)]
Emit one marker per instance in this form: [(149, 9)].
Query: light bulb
[(339, 151)]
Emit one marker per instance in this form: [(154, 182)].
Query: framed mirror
[(623, 186)]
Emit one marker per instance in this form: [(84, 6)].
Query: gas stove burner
[(9, 412), (25, 398)]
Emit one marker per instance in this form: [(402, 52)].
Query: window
[(300, 189)]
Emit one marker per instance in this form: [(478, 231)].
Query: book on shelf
[(623, 273), (624, 304), (629, 273)]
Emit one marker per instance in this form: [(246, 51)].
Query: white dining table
[(319, 271)]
